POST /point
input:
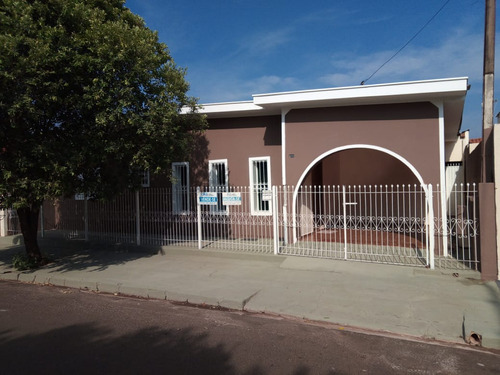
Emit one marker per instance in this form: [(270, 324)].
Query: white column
[(275, 221), (429, 196), (344, 209), (442, 177), (198, 210), (283, 174), (283, 145), (3, 223), (137, 219), (42, 228), (86, 216)]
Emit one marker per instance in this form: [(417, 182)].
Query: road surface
[(53, 330)]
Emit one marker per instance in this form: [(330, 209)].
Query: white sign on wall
[(267, 195)]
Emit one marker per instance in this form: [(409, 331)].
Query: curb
[(120, 289)]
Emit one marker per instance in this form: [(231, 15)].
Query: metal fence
[(409, 225), (456, 225), (9, 222)]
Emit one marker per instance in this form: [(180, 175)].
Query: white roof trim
[(230, 107), (243, 106), (272, 103), (430, 87)]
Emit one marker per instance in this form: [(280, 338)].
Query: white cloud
[(269, 40), (458, 55), (261, 43), (266, 84), (223, 87)]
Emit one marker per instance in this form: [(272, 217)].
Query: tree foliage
[(88, 99)]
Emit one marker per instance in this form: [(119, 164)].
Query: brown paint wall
[(365, 167), (238, 139), (409, 129)]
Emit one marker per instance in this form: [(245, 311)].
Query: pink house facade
[(393, 137), (378, 134)]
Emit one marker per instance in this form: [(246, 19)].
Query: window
[(260, 180), (145, 178), (218, 180), (180, 187)]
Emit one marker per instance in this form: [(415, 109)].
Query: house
[(386, 134), (354, 173), (393, 133), (398, 137)]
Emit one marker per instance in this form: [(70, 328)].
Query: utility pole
[(488, 202), (488, 90)]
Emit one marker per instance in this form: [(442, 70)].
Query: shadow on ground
[(88, 348), (77, 255)]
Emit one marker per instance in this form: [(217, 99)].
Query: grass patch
[(23, 262)]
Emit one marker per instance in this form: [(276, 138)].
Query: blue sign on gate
[(208, 198)]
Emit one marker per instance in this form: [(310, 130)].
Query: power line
[(408, 42)]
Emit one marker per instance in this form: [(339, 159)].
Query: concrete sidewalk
[(403, 300)]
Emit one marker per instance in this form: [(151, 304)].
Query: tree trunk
[(28, 219)]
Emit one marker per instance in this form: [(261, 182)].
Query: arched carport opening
[(365, 197), (360, 165)]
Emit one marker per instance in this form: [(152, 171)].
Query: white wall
[(454, 150)]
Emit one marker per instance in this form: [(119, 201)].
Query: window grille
[(218, 179), (145, 183), (260, 181), (180, 187)]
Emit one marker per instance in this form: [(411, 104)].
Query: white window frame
[(215, 186), (257, 206), (180, 193), (145, 180)]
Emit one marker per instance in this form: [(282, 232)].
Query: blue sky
[(234, 48)]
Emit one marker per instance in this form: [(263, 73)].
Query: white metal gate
[(395, 224), (387, 224)]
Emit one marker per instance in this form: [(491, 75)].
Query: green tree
[(89, 98)]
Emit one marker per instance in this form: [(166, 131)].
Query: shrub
[(22, 262)]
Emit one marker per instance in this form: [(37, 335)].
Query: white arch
[(349, 147), (371, 147)]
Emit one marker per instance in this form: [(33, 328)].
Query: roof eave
[(399, 92)]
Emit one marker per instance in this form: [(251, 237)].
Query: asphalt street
[(50, 330)]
